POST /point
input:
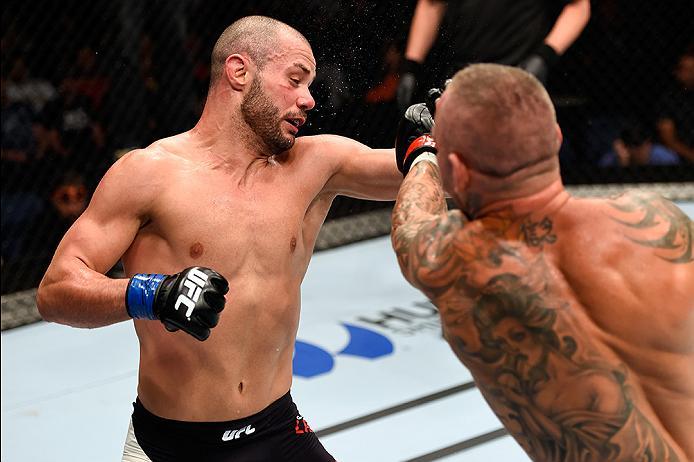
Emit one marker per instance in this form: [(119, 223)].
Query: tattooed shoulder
[(446, 253), (652, 221)]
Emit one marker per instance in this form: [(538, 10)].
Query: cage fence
[(85, 82)]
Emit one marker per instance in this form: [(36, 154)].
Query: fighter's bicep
[(108, 226), (98, 243), (360, 171)]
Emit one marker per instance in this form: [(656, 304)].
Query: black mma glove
[(540, 62), (190, 300), (432, 95), (413, 137), (410, 72)]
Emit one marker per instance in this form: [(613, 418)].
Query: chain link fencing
[(85, 82)]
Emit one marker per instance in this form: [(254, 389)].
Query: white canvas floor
[(372, 376)]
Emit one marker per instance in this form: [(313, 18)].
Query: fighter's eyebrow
[(305, 70), (302, 67)]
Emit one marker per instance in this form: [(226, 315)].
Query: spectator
[(676, 109), (21, 202), (73, 132), (86, 78), (525, 33), (18, 137), (171, 68), (22, 86), (150, 84), (125, 128), (634, 147), (385, 90), (67, 200), (197, 54), (379, 101)]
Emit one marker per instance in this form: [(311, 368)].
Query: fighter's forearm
[(72, 294), (569, 25), (422, 231), (421, 199), (421, 196)]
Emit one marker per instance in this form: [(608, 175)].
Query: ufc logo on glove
[(160, 296), (194, 282)]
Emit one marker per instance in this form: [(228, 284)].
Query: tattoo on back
[(558, 392), (560, 399), (649, 215)]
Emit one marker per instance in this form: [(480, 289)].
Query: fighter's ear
[(460, 173), (560, 135), (237, 71)]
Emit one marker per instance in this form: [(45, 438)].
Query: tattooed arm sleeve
[(421, 228)]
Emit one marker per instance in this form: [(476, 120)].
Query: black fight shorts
[(277, 433)]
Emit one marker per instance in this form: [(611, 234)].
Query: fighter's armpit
[(651, 220)]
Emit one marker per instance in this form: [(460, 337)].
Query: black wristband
[(547, 53), (411, 67)]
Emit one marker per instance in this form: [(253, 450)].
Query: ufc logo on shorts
[(236, 434), (195, 280)]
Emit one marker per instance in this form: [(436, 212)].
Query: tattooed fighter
[(575, 316)]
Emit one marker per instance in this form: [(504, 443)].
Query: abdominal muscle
[(243, 366), (246, 363)]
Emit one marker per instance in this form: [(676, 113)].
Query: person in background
[(65, 202), (530, 34), (23, 86), (635, 147), (676, 110), (20, 154)]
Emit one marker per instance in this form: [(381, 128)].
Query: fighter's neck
[(227, 138), (545, 200)]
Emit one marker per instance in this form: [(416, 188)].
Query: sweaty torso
[(578, 326), (256, 227)]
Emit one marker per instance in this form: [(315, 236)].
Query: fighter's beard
[(263, 117)]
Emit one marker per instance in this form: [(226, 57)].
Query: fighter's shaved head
[(498, 118), (255, 36)]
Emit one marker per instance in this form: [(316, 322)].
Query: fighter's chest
[(199, 219)]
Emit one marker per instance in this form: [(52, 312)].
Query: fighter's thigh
[(132, 452)]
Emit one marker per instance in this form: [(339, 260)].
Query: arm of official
[(568, 26), (423, 32), (424, 29)]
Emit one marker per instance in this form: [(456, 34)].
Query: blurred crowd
[(83, 83)]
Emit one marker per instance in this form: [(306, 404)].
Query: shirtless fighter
[(575, 316), (235, 204)]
